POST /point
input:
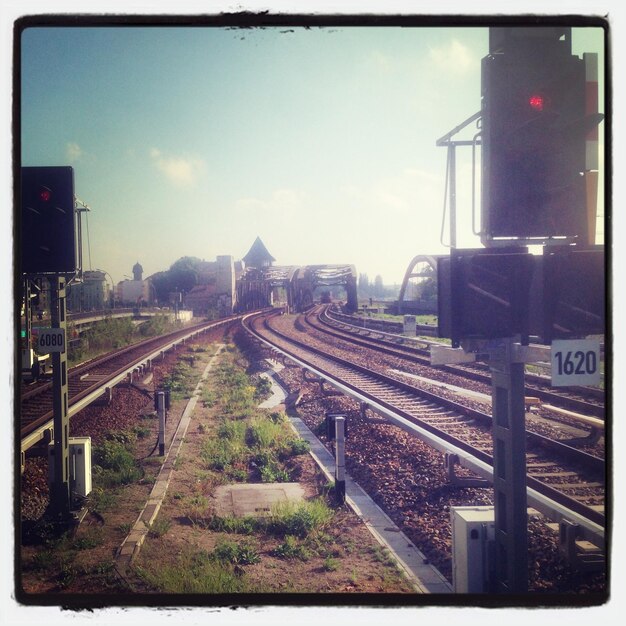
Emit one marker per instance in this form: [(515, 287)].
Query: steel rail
[(30, 436), (547, 500), (573, 404), (594, 463)]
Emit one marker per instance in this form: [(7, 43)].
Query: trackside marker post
[(340, 458), (160, 401)]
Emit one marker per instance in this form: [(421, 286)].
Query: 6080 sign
[(51, 340), (575, 362)]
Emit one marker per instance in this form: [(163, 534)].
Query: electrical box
[(80, 466), (473, 542), (27, 358), (409, 326)]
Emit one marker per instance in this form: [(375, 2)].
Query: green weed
[(299, 519), (291, 548), (195, 573), (114, 464), (236, 553), (159, 527)]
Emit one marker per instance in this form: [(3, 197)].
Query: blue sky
[(193, 141)]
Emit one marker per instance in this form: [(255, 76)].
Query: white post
[(161, 414), (340, 458)]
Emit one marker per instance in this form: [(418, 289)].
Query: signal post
[(48, 236), (537, 146), (60, 499)]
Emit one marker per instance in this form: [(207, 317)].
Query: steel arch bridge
[(412, 272), (255, 288)]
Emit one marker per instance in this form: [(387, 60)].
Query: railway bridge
[(295, 285)]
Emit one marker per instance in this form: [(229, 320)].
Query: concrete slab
[(254, 499)]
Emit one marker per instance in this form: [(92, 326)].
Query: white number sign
[(51, 340), (575, 362)]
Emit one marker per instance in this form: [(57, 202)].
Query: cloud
[(73, 152), (179, 170), (282, 202), (380, 61), (453, 57), (401, 194)]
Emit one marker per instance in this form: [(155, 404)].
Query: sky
[(320, 143), (194, 141)]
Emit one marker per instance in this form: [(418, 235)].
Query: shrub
[(330, 564), (263, 386), (278, 417)]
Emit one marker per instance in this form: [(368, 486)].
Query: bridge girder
[(431, 260), (255, 286)]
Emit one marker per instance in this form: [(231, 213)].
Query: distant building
[(258, 256), (91, 294), (216, 289), (136, 292)]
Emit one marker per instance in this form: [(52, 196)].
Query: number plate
[(575, 362), (51, 340)]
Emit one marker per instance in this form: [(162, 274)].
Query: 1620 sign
[(575, 362)]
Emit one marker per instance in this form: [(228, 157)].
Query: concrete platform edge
[(424, 577)]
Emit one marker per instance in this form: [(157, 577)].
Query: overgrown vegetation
[(113, 332), (181, 381), (113, 461), (196, 572), (249, 445), (242, 443)]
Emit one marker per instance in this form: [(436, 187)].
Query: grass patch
[(92, 538), (299, 519), (114, 463), (196, 572), (292, 548), (244, 553), (250, 444), (181, 382)]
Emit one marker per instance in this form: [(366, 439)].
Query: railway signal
[(47, 220), (48, 238), (568, 293), (483, 294), (534, 131)]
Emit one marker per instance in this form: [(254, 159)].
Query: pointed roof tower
[(258, 256)]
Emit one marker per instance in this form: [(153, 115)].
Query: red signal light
[(536, 102), (45, 194)]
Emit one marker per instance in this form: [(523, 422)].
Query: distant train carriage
[(325, 297)]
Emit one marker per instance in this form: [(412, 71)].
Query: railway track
[(560, 474), (585, 401), (90, 380)]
